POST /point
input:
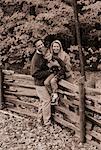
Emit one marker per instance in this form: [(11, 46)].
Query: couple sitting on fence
[(59, 64), (48, 66)]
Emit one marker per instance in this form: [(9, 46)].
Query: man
[(40, 71)]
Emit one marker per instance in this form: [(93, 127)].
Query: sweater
[(39, 69)]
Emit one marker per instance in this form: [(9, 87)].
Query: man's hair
[(37, 41)]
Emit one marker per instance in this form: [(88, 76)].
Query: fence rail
[(20, 96)]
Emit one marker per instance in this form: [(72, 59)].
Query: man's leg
[(46, 104), (40, 116)]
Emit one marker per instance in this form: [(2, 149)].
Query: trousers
[(44, 110), (51, 84)]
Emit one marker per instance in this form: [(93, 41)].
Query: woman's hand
[(54, 63)]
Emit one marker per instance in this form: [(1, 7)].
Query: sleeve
[(67, 62), (40, 74), (37, 71), (61, 63)]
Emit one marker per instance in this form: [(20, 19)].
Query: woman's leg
[(48, 84), (54, 84)]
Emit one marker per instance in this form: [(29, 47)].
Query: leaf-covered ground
[(19, 133)]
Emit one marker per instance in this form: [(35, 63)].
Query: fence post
[(1, 89), (82, 109), (82, 88)]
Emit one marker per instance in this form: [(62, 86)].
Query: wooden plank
[(8, 104), (93, 109), (72, 103), (93, 120), (69, 86), (93, 98), (18, 76), (70, 115), (22, 98), (22, 76), (65, 123), (21, 92), (11, 79), (90, 90), (73, 95), (22, 112), (19, 102), (11, 97), (10, 114), (96, 101), (19, 85), (67, 103), (21, 89), (95, 134)]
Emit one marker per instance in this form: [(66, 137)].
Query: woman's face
[(56, 48)]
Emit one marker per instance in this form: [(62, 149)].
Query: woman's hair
[(61, 53), (56, 41)]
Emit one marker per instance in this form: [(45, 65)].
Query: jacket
[(39, 69), (59, 69), (64, 57)]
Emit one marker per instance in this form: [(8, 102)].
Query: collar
[(38, 52)]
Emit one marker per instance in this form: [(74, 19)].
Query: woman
[(57, 50), (63, 59)]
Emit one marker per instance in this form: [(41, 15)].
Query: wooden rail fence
[(20, 96)]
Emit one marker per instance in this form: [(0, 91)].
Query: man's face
[(40, 46)]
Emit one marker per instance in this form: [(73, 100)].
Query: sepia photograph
[(50, 75)]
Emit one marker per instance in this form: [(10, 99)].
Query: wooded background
[(22, 21)]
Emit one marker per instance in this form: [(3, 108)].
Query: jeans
[(51, 84)]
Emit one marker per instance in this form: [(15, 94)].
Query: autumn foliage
[(22, 21)]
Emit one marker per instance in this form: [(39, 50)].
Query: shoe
[(55, 99), (54, 103)]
